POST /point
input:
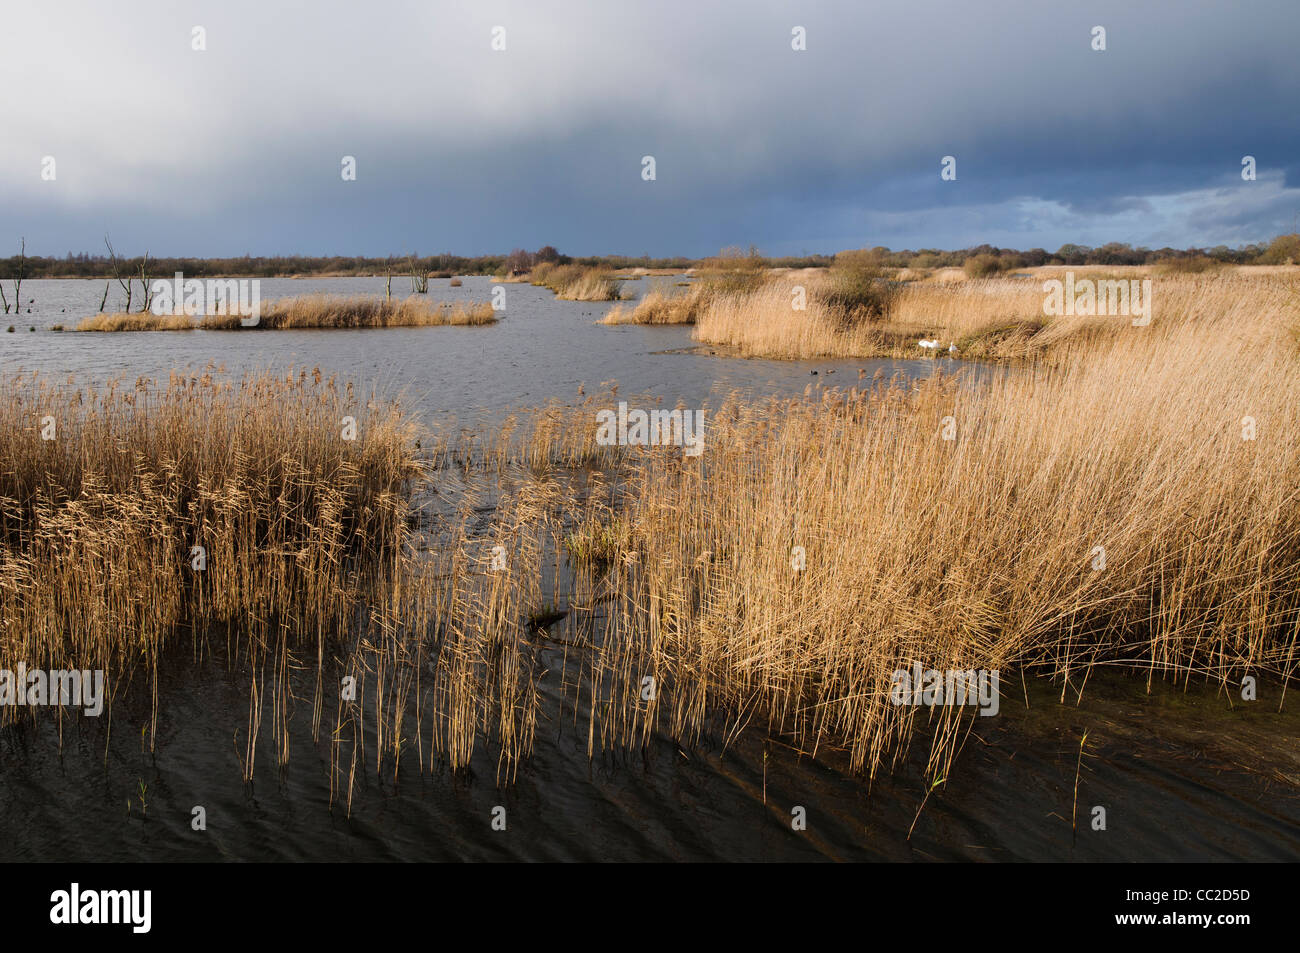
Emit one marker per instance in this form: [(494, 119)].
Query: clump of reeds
[(733, 271), (658, 308), (1188, 265), (137, 321), (143, 526), (576, 282), (337, 311), (311, 311), (107, 491)]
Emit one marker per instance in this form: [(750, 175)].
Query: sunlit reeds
[(136, 321), (659, 308), (577, 283), (986, 319), (1133, 501), (311, 311)]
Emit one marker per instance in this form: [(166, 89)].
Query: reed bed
[(311, 311), (979, 552), (336, 311), (1132, 502), (997, 319), (309, 572)]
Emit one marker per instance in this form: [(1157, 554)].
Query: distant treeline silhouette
[(1281, 250)]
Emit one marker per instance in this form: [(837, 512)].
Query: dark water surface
[(1180, 775), (1180, 772)]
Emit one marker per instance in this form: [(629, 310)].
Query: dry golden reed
[(576, 282), (1133, 501), (304, 498), (1135, 504), (659, 308), (986, 319), (312, 311)]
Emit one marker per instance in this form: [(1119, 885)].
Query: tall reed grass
[(1116, 508), (302, 499), (987, 319), (1134, 502)]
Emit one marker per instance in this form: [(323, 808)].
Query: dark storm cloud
[(460, 148)]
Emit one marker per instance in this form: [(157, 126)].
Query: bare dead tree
[(419, 277), (146, 284), (22, 270), (388, 277), (18, 281), (117, 273)]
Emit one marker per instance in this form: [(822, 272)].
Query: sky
[(238, 148)]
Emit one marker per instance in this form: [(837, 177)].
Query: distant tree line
[(982, 259), (1285, 249)]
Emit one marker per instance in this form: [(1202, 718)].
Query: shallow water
[(1182, 775), (1179, 774), (541, 349)]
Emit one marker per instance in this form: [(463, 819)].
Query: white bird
[(931, 345), (952, 348)]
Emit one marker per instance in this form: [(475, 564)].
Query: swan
[(931, 345)]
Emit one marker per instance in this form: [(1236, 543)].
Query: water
[(541, 349), (1182, 775)]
